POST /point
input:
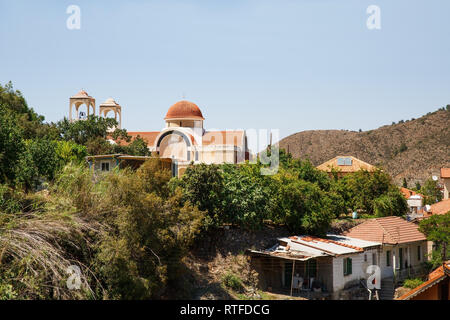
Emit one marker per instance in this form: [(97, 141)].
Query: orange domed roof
[(184, 110)]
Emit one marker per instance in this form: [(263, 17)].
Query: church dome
[(184, 110)]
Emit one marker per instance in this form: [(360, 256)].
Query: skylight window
[(344, 161)]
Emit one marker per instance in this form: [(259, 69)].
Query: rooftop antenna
[(183, 95)]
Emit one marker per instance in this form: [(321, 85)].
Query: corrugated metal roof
[(307, 247)]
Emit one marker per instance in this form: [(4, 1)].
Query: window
[(365, 257), (196, 155), (347, 266), (400, 258), (105, 166), (418, 253), (374, 258), (344, 161), (388, 258)]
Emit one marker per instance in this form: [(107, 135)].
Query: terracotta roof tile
[(433, 278), (408, 192), (391, 230), (441, 207), (184, 109), (445, 173), (355, 166), (150, 137)]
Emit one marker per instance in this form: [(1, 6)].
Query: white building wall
[(387, 271), (410, 254), (359, 267)]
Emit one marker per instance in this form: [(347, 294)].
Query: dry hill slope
[(414, 149)]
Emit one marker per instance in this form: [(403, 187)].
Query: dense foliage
[(437, 230), (431, 192), (299, 196), (127, 236), (32, 151)]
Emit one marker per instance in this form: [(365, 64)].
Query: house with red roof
[(344, 165), (404, 248), (441, 207), (415, 203)]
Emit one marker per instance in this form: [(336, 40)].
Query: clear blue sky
[(289, 65)]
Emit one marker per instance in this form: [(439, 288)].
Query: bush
[(233, 282), (127, 237), (143, 255), (10, 199), (412, 283), (403, 147)]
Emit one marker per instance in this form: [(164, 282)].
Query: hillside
[(414, 149)]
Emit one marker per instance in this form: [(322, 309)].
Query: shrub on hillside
[(233, 282), (412, 283)]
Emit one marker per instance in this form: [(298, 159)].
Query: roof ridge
[(384, 229)]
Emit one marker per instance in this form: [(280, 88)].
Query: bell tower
[(78, 100), (111, 105)]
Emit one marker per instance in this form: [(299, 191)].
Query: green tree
[(431, 192), (12, 145), (70, 152), (202, 186), (245, 199), (39, 162), (392, 203), (143, 257), (418, 186), (137, 147), (93, 127), (405, 183), (300, 204), (32, 125), (437, 229)]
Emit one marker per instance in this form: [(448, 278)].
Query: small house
[(107, 162), (404, 248), (306, 263), (415, 203), (345, 165)]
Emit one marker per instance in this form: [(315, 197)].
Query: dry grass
[(34, 253)]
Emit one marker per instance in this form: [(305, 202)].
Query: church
[(183, 138)]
